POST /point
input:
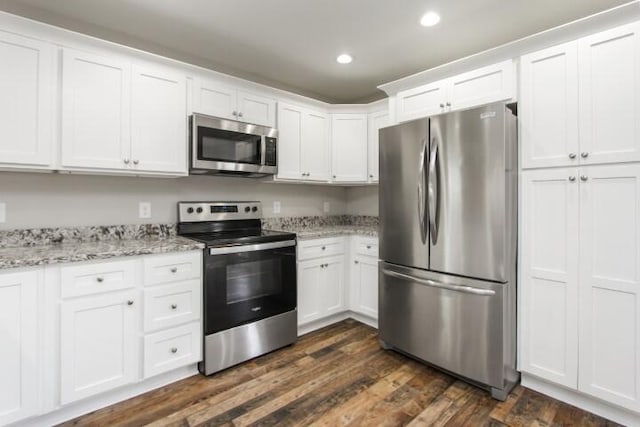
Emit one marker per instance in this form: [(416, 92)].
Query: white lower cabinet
[(19, 354), (364, 286), (580, 279), (173, 348), (321, 291)]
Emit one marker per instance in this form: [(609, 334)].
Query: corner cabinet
[(27, 104), (376, 121), (349, 147), (20, 356)]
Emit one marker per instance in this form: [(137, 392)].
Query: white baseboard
[(582, 401), (321, 323), (73, 410)]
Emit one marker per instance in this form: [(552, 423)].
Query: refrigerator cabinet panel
[(403, 193)]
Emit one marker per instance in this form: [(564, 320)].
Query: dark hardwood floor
[(335, 376)]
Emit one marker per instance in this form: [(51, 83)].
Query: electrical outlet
[(3, 212), (326, 207), (144, 210), (276, 207)]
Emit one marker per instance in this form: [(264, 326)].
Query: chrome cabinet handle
[(584, 178), (572, 155), (126, 161), (174, 306), (434, 284), (99, 279), (421, 191), (130, 302), (174, 269), (136, 161), (584, 154), (572, 178), (174, 350)]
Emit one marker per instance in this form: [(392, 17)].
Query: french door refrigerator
[(448, 221)]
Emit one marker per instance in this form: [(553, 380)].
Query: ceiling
[(292, 44)]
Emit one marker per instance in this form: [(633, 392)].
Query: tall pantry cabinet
[(580, 215)]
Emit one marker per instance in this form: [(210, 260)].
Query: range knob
[(199, 210), (189, 210), (247, 209), (254, 209)]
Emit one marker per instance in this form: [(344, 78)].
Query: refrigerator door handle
[(421, 192), (434, 284), (433, 191)]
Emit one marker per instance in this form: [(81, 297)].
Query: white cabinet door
[(610, 284), (95, 111), (310, 290), (349, 147), (315, 146), (609, 64), (493, 83), (548, 107), (19, 353), (215, 99), (333, 289), (158, 121), (97, 347), (364, 281), (376, 121), (256, 109), (549, 302), (422, 101), (27, 101), (289, 141)]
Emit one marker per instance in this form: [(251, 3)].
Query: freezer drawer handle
[(433, 284)]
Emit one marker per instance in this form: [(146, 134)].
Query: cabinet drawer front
[(172, 268), (87, 279), (171, 349), (171, 305), (367, 247), (308, 249)]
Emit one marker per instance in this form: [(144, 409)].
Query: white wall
[(362, 200), (59, 200)]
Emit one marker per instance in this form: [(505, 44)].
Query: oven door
[(246, 283)]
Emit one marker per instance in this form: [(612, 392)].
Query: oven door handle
[(251, 248)]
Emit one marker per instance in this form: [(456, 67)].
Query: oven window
[(253, 280), (227, 146)]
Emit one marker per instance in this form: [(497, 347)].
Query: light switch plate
[(276, 207), (144, 210), (326, 207), (3, 212)]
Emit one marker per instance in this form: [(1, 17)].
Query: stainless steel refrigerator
[(448, 230)]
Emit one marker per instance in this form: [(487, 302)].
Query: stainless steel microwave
[(220, 146)]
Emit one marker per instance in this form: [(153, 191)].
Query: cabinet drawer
[(171, 349), (87, 279), (308, 249), (167, 268), (171, 305), (367, 247)]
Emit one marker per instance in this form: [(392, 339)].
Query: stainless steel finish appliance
[(249, 279), (448, 230), (220, 146)]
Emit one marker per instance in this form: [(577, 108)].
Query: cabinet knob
[(368, 246), (448, 104), (356, 262), (441, 105), (126, 161), (323, 248), (174, 350), (584, 154), (130, 302), (572, 178), (370, 176), (99, 279), (174, 269), (572, 155), (334, 177), (235, 113), (240, 114), (174, 306), (136, 161), (584, 178)]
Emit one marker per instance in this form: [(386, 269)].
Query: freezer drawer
[(450, 322)]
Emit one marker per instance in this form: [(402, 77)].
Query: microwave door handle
[(263, 150)]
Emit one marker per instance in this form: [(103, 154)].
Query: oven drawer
[(315, 248), (367, 246), (173, 348), (175, 267), (95, 278), (171, 305)]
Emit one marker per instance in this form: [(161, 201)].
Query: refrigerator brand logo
[(487, 115)]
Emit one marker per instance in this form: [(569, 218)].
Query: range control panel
[(218, 211)]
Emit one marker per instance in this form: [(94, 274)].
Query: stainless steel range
[(250, 288)]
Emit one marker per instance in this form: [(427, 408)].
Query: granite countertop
[(312, 227), (51, 246), (332, 231)]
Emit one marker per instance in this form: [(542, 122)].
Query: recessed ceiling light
[(429, 19), (344, 58)]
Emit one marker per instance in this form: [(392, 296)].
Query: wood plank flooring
[(336, 376)]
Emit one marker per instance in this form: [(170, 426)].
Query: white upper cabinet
[(610, 284), (548, 107), (376, 121), (303, 144), (609, 68), (19, 355), (349, 147), (493, 83), (27, 82), (549, 254), (228, 102), (96, 117), (158, 121)]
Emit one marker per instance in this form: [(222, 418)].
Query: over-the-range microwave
[(220, 146)]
